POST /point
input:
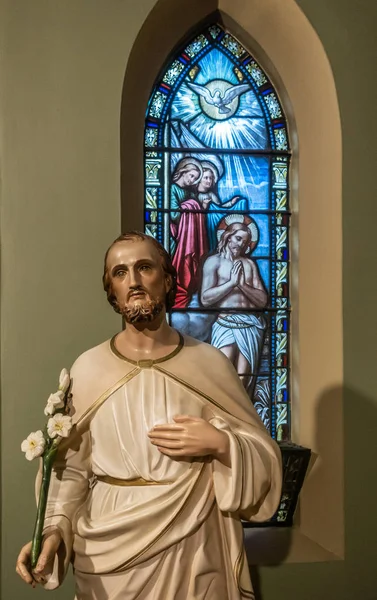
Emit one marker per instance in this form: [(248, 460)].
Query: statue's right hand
[(40, 574)]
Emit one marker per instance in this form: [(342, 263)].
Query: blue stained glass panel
[(242, 180), (238, 123), (217, 196)]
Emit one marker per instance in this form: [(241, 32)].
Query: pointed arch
[(283, 40)]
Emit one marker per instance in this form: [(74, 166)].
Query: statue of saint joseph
[(166, 456)]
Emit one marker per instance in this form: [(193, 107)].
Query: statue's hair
[(167, 265), (229, 231)]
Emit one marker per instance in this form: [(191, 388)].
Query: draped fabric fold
[(128, 537), (192, 244)]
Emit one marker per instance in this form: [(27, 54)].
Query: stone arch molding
[(286, 45)]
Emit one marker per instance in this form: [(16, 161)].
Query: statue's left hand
[(190, 436)]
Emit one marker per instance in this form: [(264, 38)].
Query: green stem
[(48, 460)]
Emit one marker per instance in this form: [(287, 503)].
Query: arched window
[(217, 159)]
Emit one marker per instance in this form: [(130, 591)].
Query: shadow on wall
[(271, 547), (360, 458), (360, 492)]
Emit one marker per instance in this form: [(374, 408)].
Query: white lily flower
[(59, 425), (34, 445), (54, 402), (64, 380)]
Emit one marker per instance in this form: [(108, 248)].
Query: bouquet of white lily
[(45, 444)]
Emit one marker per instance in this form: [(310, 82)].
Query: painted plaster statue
[(231, 280), (167, 454)]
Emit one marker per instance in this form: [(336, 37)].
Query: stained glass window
[(217, 161)]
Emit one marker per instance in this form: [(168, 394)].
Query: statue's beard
[(140, 312)]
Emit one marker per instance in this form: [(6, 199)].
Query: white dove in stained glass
[(218, 98)]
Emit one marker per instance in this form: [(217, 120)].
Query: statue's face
[(137, 278), (237, 242)]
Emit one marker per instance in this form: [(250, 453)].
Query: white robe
[(181, 539), (246, 331)]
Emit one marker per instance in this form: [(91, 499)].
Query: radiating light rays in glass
[(235, 133), (215, 65), (247, 128), (185, 105), (246, 176), (242, 175)]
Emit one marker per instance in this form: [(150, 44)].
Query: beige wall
[(61, 75), (63, 65)]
